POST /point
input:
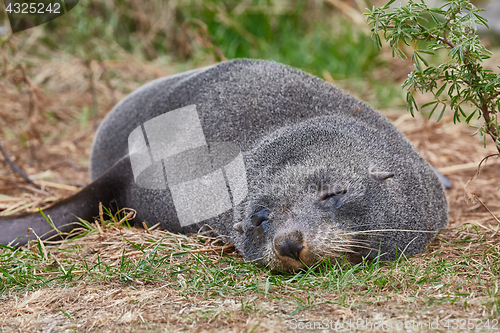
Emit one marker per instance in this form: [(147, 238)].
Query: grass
[(200, 269), (312, 36), (123, 279)]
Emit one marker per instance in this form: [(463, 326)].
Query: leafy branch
[(460, 81)]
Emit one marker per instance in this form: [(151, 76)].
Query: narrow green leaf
[(461, 111), (433, 109), (437, 11), (417, 64), (456, 117), (482, 20), (470, 116), (401, 54), (430, 103), (421, 58), (440, 91), (65, 313), (411, 103), (436, 21), (387, 5), (441, 113), (454, 50), (7, 275), (426, 51)]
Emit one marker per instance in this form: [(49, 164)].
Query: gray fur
[(271, 111), (327, 174)]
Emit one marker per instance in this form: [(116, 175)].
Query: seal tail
[(84, 204)]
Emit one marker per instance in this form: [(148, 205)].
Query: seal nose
[(290, 248)]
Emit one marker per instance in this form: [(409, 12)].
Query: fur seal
[(326, 174)]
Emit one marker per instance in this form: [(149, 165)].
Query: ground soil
[(54, 146)]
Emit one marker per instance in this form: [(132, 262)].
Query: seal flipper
[(84, 204), (442, 178)]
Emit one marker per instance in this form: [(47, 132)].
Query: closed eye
[(259, 217), (328, 194)]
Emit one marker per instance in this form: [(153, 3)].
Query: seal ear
[(238, 227), (381, 175)]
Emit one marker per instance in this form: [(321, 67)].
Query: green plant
[(460, 81)]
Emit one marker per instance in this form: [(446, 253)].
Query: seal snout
[(289, 248)]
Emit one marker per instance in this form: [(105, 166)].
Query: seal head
[(318, 191)]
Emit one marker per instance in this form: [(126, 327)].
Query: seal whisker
[(364, 246), (370, 224), (392, 230), (362, 243), (263, 206), (366, 225), (345, 237)]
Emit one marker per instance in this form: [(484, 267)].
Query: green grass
[(307, 35), (314, 39), (434, 281)]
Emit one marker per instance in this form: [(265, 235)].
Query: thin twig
[(484, 161), (485, 207), (17, 169), (436, 37)]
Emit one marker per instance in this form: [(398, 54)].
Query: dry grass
[(118, 279), (46, 114)]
